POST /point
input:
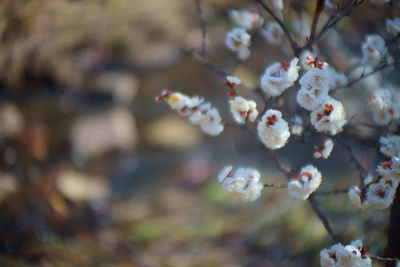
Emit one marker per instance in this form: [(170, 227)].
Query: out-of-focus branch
[(203, 28), (365, 75), (382, 259), (323, 218), (318, 10), (293, 43), (216, 68), (332, 192)]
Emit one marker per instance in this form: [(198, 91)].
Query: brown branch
[(293, 43), (216, 68), (382, 259), (318, 9), (332, 192), (276, 186), (203, 28), (323, 218)]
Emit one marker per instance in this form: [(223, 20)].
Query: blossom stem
[(323, 218), (382, 259), (318, 9), (203, 28), (332, 192), (276, 186)]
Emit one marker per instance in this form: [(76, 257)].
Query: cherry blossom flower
[(273, 131), (373, 50), (390, 168), (279, 76), (390, 145), (238, 40), (325, 150), (243, 109), (244, 182), (273, 33), (353, 255), (245, 18), (384, 104), (305, 182), (329, 116), (393, 26)]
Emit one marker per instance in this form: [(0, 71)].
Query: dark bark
[(393, 245)]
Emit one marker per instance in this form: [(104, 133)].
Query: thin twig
[(203, 28), (382, 259), (323, 219), (218, 69), (276, 185), (332, 192), (293, 43)]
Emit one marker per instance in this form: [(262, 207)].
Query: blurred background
[(93, 172)]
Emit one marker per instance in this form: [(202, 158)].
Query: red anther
[(319, 64), (318, 116), (387, 164), (161, 96), (364, 251), (231, 93), (328, 109), (271, 120), (285, 65), (389, 182), (390, 111), (310, 60), (380, 193), (244, 114), (332, 256), (308, 175)]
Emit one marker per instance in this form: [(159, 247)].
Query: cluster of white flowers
[(243, 109), (273, 130), (238, 40), (245, 19), (373, 50), (385, 105), (305, 182), (390, 145), (244, 182), (199, 112), (273, 33), (353, 255), (327, 114), (325, 150), (279, 76), (376, 194)]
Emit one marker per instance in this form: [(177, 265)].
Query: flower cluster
[(199, 112), (305, 182), (327, 114), (384, 104), (279, 76), (373, 50), (243, 109), (390, 145), (245, 19), (238, 40), (273, 130), (244, 182), (353, 255)]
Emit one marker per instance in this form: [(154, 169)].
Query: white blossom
[(373, 50), (243, 109), (273, 130), (393, 26), (244, 182), (276, 4), (390, 169), (273, 33), (305, 182), (353, 255), (177, 100), (329, 116), (325, 150), (390, 145), (279, 76), (245, 19), (384, 104), (316, 77), (312, 97), (238, 40)]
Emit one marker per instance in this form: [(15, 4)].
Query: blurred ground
[(94, 173)]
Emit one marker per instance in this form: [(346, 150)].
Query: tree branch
[(203, 28), (293, 43), (318, 9), (323, 218)]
